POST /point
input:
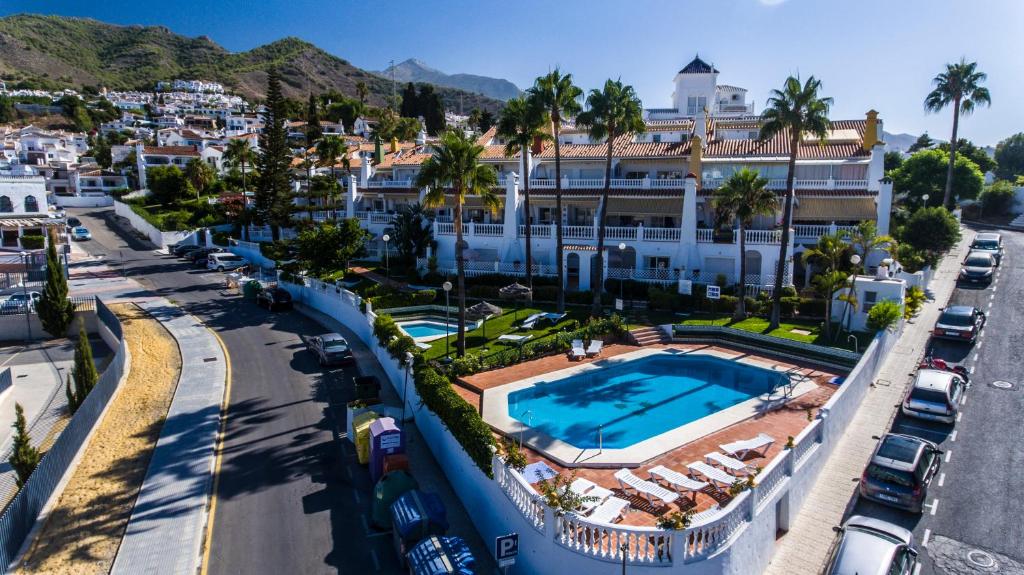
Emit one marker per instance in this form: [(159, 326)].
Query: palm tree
[(330, 150), (827, 284), (613, 111), (239, 153), (454, 168), (200, 175), (794, 111), (561, 98), (829, 253), (744, 196), (412, 232), (362, 90), (520, 125), (865, 239), (959, 85)]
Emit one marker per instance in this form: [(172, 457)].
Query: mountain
[(413, 70), (57, 52), (898, 142)]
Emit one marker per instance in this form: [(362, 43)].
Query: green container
[(388, 489), (250, 289)]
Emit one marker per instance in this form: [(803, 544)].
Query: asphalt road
[(285, 496), (972, 519)]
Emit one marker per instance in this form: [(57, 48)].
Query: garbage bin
[(250, 289), (385, 439), (441, 556), (361, 426), (390, 487), (415, 515)]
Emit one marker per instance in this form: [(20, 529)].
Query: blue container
[(416, 515), (441, 556)]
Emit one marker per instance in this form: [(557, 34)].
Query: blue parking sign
[(506, 548)]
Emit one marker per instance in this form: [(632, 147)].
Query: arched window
[(31, 205), (5, 205)]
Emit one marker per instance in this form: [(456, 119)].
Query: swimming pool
[(632, 401), (424, 330)]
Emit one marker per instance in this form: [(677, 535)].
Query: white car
[(80, 233), (222, 261)]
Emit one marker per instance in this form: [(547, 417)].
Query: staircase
[(1018, 222), (648, 335)]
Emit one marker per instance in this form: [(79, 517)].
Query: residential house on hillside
[(23, 209)]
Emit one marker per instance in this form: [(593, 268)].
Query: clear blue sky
[(877, 54)]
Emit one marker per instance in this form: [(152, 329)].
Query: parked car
[(274, 297), (978, 268), (73, 222), (990, 243), (182, 249), (960, 322), (18, 302), (80, 234), (331, 349), (873, 547), (222, 261), (200, 256), (900, 471), (935, 395)]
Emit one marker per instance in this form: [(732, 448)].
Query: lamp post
[(24, 290), (924, 199), (387, 267), (405, 387), (447, 287), (851, 305), (622, 256)]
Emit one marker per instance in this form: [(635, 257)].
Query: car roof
[(976, 253), (933, 379), (83, 228), (987, 236), (959, 310), (864, 551), (899, 451), (332, 337)]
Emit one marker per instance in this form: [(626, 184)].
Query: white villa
[(23, 209), (659, 206)]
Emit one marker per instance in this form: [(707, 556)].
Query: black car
[(74, 222), (182, 249), (900, 472), (331, 349), (275, 297), (198, 257), (960, 322), (978, 268)]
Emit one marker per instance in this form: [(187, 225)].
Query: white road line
[(935, 505), (376, 562), (975, 359), (970, 370), (942, 479), (949, 453), (924, 540), (355, 492), (992, 296), (905, 427), (952, 436), (10, 359), (959, 414), (917, 569), (963, 400)]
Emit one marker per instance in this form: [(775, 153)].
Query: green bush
[(726, 304), (462, 420), (884, 314), (392, 339), (812, 307), (32, 242), (788, 305)]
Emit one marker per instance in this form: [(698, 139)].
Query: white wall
[(160, 239), (83, 201)]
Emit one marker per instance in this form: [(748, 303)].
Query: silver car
[(873, 547), (990, 243)]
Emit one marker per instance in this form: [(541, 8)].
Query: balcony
[(780, 184), (390, 184), (616, 183)]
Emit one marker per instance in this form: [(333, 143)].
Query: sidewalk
[(168, 523), (803, 550)]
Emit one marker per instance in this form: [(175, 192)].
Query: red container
[(395, 462)]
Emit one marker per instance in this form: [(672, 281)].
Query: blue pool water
[(425, 328), (637, 399)]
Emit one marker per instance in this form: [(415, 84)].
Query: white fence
[(738, 540), (83, 201), (160, 239)]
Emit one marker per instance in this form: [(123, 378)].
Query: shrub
[(788, 305), (913, 302), (811, 307), (675, 521), (514, 456), (726, 304), (392, 339), (461, 419), (884, 314), (32, 242), (998, 198)]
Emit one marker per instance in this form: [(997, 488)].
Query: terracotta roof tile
[(171, 150)]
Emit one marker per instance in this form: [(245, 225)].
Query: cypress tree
[(313, 129), (410, 102), (70, 393), (24, 458), (273, 190), (84, 370), (55, 311)]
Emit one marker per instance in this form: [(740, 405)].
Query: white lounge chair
[(610, 511), (555, 317), (732, 464), (713, 474), (628, 481), (740, 449), (577, 351), (677, 480), (595, 494), (531, 322), (594, 349)]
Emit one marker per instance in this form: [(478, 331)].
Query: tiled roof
[(779, 146), (171, 150), (698, 66)]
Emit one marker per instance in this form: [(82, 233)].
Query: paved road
[(972, 522), (285, 500)]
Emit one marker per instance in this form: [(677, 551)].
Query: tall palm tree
[(613, 111), (829, 253), (561, 98), (744, 196), (865, 239), (329, 150), (454, 168), (827, 283), (793, 111), (522, 122), (239, 153), (959, 85)]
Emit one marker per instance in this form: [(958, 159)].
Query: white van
[(221, 261)]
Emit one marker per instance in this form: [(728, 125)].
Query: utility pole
[(394, 95)]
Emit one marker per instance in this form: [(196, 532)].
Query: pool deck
[(785, 421)]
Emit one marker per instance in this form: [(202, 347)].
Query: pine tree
[(273, 190), (410, 102), (313, 129), (69, 392), (24, 458), (84, 370), (55, 311)]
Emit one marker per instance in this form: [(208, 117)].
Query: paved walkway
[(804, 549), (376, 277), (168, 524)]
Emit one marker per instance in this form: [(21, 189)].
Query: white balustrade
[(662, 234), (705, 235), (389, 184), (521, 494), (772, 477), (444, 228), (542, 183), (850, 184), (381, 218), (488, 229), (810, 184), (620, 233), (536, 231), (712, 183), (847, 229), (806, 441), (763, 236), (626, 183), (810, 231), (578, 232), (667, 183), (642, 545)]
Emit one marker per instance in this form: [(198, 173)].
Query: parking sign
[(714, 292), (506, 548)]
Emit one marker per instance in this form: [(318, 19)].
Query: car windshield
[(928, 395), (81, 230), (899, 448), (978, 262), (230, 258), (957, 319), (985, 244), (336, 345), (890, 475)]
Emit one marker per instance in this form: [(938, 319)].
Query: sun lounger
[(715, 475), (592, 493), (648, 488), (531, 322), (423, 346), (677, 480), (610, 511), (740, 449), (732, 464), (594, 348), (555, 317), (514, 339), (577, 351)]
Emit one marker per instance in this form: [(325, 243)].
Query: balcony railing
[(616, 183), (780, 184), (815, 231), (389, 184)]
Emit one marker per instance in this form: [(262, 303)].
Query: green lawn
[(785, 330), (507, 322)]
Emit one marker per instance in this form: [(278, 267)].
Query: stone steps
[(648, 335)]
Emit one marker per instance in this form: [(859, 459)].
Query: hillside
[(413, 70), (75, 52)]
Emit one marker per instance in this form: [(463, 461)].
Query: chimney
[(871, 135), (394, 144), (421, 137)]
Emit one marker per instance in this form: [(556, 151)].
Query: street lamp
[(924, 198), (851, 306), (387, 267), (622, 297), (447, 287)]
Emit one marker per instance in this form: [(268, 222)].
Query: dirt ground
[(84, 529)]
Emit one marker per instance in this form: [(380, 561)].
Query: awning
[(649, 206), (835, 209)]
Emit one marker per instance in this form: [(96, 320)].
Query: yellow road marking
[(208, 537)]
